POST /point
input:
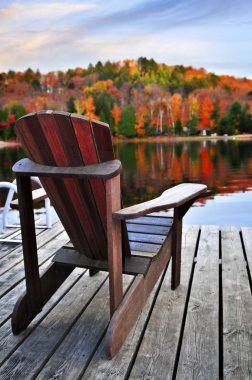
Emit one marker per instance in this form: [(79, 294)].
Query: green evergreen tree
[(223, 126), (234, 118), (215, 116), (127, 122), (70, 104), (192, 125), (103, 105), (246, 120), (178, 128), (18, 110)]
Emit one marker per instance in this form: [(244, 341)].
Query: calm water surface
[(150, 168), (224, 165)]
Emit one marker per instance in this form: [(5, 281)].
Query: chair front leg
[(176, 248), (179, 213), (114, 234)]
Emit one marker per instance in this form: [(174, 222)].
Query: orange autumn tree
[(141, 115), (36, 104), (206, 112), (176, 107), (85, 106), (116, 114)]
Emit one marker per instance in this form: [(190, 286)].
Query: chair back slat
[(85, 137), (62, 139)]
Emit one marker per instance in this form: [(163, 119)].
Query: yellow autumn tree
[(176, 106), (141, 114), (85, 106)]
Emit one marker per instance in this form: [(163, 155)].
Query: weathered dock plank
[(199, 356), (69, 361), (157, 353), (178, 335), (13, 256), (8, 232), (15, 274), (237, 308), (8, 301), (118, 368), (11, 342), (43, 341), (247, 240)]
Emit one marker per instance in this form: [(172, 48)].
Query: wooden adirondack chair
[(74, 159)]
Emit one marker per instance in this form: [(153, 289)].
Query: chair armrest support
[(171, 198), (105, 170)]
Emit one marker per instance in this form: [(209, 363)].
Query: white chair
[(38, 194)]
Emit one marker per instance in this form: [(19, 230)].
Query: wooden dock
[(203, 330)]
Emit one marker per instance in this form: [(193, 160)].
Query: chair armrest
[(171, 198), (105, 170)]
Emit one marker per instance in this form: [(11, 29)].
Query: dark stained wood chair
[(74, 159)]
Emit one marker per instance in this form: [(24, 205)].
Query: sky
[(58, 35)]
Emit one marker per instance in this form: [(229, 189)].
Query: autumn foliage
[(136, 98)]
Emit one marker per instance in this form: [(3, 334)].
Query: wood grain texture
[(71, 257), (7, 301), (247, 240), (85, 139), (85, 189), (146, 238), (33, 286), (72, 199), (118, 367), (33, 130), (174, 197), (237, 308), (13, 278), (40, 344), (15, 273), (114, 236), (145, 247), (135, 299), (75, 345), (69, 360), (152, 220), (157, 353), (147, 229), (176, 247), (104, 170), (199, 356)]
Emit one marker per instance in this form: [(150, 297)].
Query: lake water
[(225, 166), (149, 168)]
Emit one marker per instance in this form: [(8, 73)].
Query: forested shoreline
[(136, 98)]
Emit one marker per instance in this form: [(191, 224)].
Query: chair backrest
[(62, 139)]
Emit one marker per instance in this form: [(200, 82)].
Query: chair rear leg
[(25, 311), (31, 268), (38, 290)]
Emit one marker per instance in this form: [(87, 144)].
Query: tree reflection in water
[(151, 167), (224, 165)]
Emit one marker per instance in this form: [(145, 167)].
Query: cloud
[(56, 9), (165, 13), (20, 16), (61, 48), (58, 35)]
